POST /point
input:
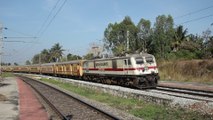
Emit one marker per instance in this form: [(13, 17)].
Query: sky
[(75, 24)]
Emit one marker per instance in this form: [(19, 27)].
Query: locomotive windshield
[(139, 60), (149, 60)]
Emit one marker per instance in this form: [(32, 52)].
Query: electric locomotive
[(138, 70)]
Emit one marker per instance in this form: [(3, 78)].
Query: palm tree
[(45, 56), (56, 52), (179, 37)]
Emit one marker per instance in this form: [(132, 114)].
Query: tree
[(116, 37), (16, 64), (163, 33), (28, 62), (144, 27), (206, 35), (88, 56), (191, 48), (73, 57), (209, 47), (35, 59), (179, 37), (45, 56), (56, 53)]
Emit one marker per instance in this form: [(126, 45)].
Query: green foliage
[(179, 37), (163, 33), (144, 27), (116, 37), (16, 64), (28, 62), (46, 56), (88, 56), (56, 53), (209, 48), (7, 74), (73, 57), (163, 39), (35, 59)]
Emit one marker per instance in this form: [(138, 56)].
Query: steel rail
[(187, 91), (108, 115), (61, 115), (190, 89)]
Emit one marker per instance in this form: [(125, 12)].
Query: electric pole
[(1, 42), (127, 42)]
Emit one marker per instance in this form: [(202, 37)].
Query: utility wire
[(21, 33), (190, 13), (17, 41), (196, 19), (53, 17), (47, 18), (19, 37)]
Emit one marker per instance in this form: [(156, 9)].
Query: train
[(135, 70)]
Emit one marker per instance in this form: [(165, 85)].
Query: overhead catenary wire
[(196, 19), (18, 32), (51, 20), (47, 22), (17, 41), (194, 12), (44, 23)]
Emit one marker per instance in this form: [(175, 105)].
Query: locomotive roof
[(127, 56)]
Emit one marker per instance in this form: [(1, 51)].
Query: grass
[(139, 108), (200, 71), (7, 74)]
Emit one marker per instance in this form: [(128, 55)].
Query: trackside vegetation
[(200, 71), (139, 108), (7, 74)]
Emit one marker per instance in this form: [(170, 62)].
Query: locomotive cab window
[(139, 60), (127, 62), (149, 60)]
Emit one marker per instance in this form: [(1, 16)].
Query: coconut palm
[(45, 56), (56, 53), (179, 37)]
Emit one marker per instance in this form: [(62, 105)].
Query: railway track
[(200, 95), (66, 106)]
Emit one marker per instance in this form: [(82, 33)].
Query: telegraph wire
[(18, 41), (53, 17), (15, 31), (45, 25), (47, 18), (196, 19), (190, 13)]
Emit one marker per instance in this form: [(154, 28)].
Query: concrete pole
[(127, 42), (1, 42)]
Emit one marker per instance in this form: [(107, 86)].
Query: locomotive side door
[(86, 67), (125, 66)]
